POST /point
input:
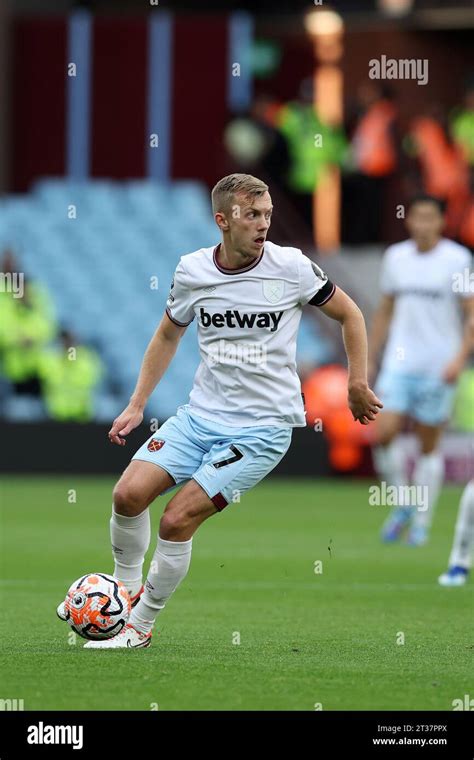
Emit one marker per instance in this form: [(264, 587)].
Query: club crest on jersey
[(273, 290), (155, 444)]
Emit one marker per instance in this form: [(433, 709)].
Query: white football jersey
[(247, 320), (426, 329)]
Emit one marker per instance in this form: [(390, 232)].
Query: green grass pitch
[(306, 638)]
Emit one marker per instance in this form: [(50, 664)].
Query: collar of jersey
[(226, 270)]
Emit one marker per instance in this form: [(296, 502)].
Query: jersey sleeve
[(315, 286), (179, 306)]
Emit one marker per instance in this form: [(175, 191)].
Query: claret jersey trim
[(226, 270), (219, 501), (324, 294), (180, 324)]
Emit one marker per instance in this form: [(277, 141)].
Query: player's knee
[(385, 437), (386, 434), (179, 519), (428, 447), (173, 521), (127, 501), (428, 439)]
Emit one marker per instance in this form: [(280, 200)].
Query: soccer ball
[(97, 606)]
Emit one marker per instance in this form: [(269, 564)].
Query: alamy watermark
[(48, 734), (11, 705), (236, 352), (463, 704), (402, 68), (399, 496), (12, 282), (463, 282)]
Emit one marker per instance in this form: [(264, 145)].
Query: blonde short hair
[(223, 193)]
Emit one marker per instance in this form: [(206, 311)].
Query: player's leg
[(389, 462), (428, 479), (169, 566), (237, 460), (183, 515), (461, 553), (395, 391), (405, 395), (138, 486), (167, 458), (388, 459), (178, 449), (140, 483), (431, 410), (231, 466)]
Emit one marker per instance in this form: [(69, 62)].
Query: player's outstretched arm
[(158, 355), (363, 402)]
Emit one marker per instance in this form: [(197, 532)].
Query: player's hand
[(130, 418), (452, 371), (363, 403)]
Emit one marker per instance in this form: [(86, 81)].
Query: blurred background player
[(461, 553), (425, 353)]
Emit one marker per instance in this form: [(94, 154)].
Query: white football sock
[(130, 537), (389, 462), (464, 532), (169, 566), (428, 474)]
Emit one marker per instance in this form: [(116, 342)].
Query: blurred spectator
[(462, 126), (312, 147), (462, 130), (276, 159), (69, 374), (27, 324), (254, 141), (373, 159), (463, 416), (442, 163), (444, 171), (7, 299)]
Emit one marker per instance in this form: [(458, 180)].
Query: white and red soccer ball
[(97, 606)]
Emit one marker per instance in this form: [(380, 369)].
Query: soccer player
[(461, 554), (424, 281), (247, 295)]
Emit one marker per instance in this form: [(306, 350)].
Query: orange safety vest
[(466, 227), (372, 143), (445, 171)]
